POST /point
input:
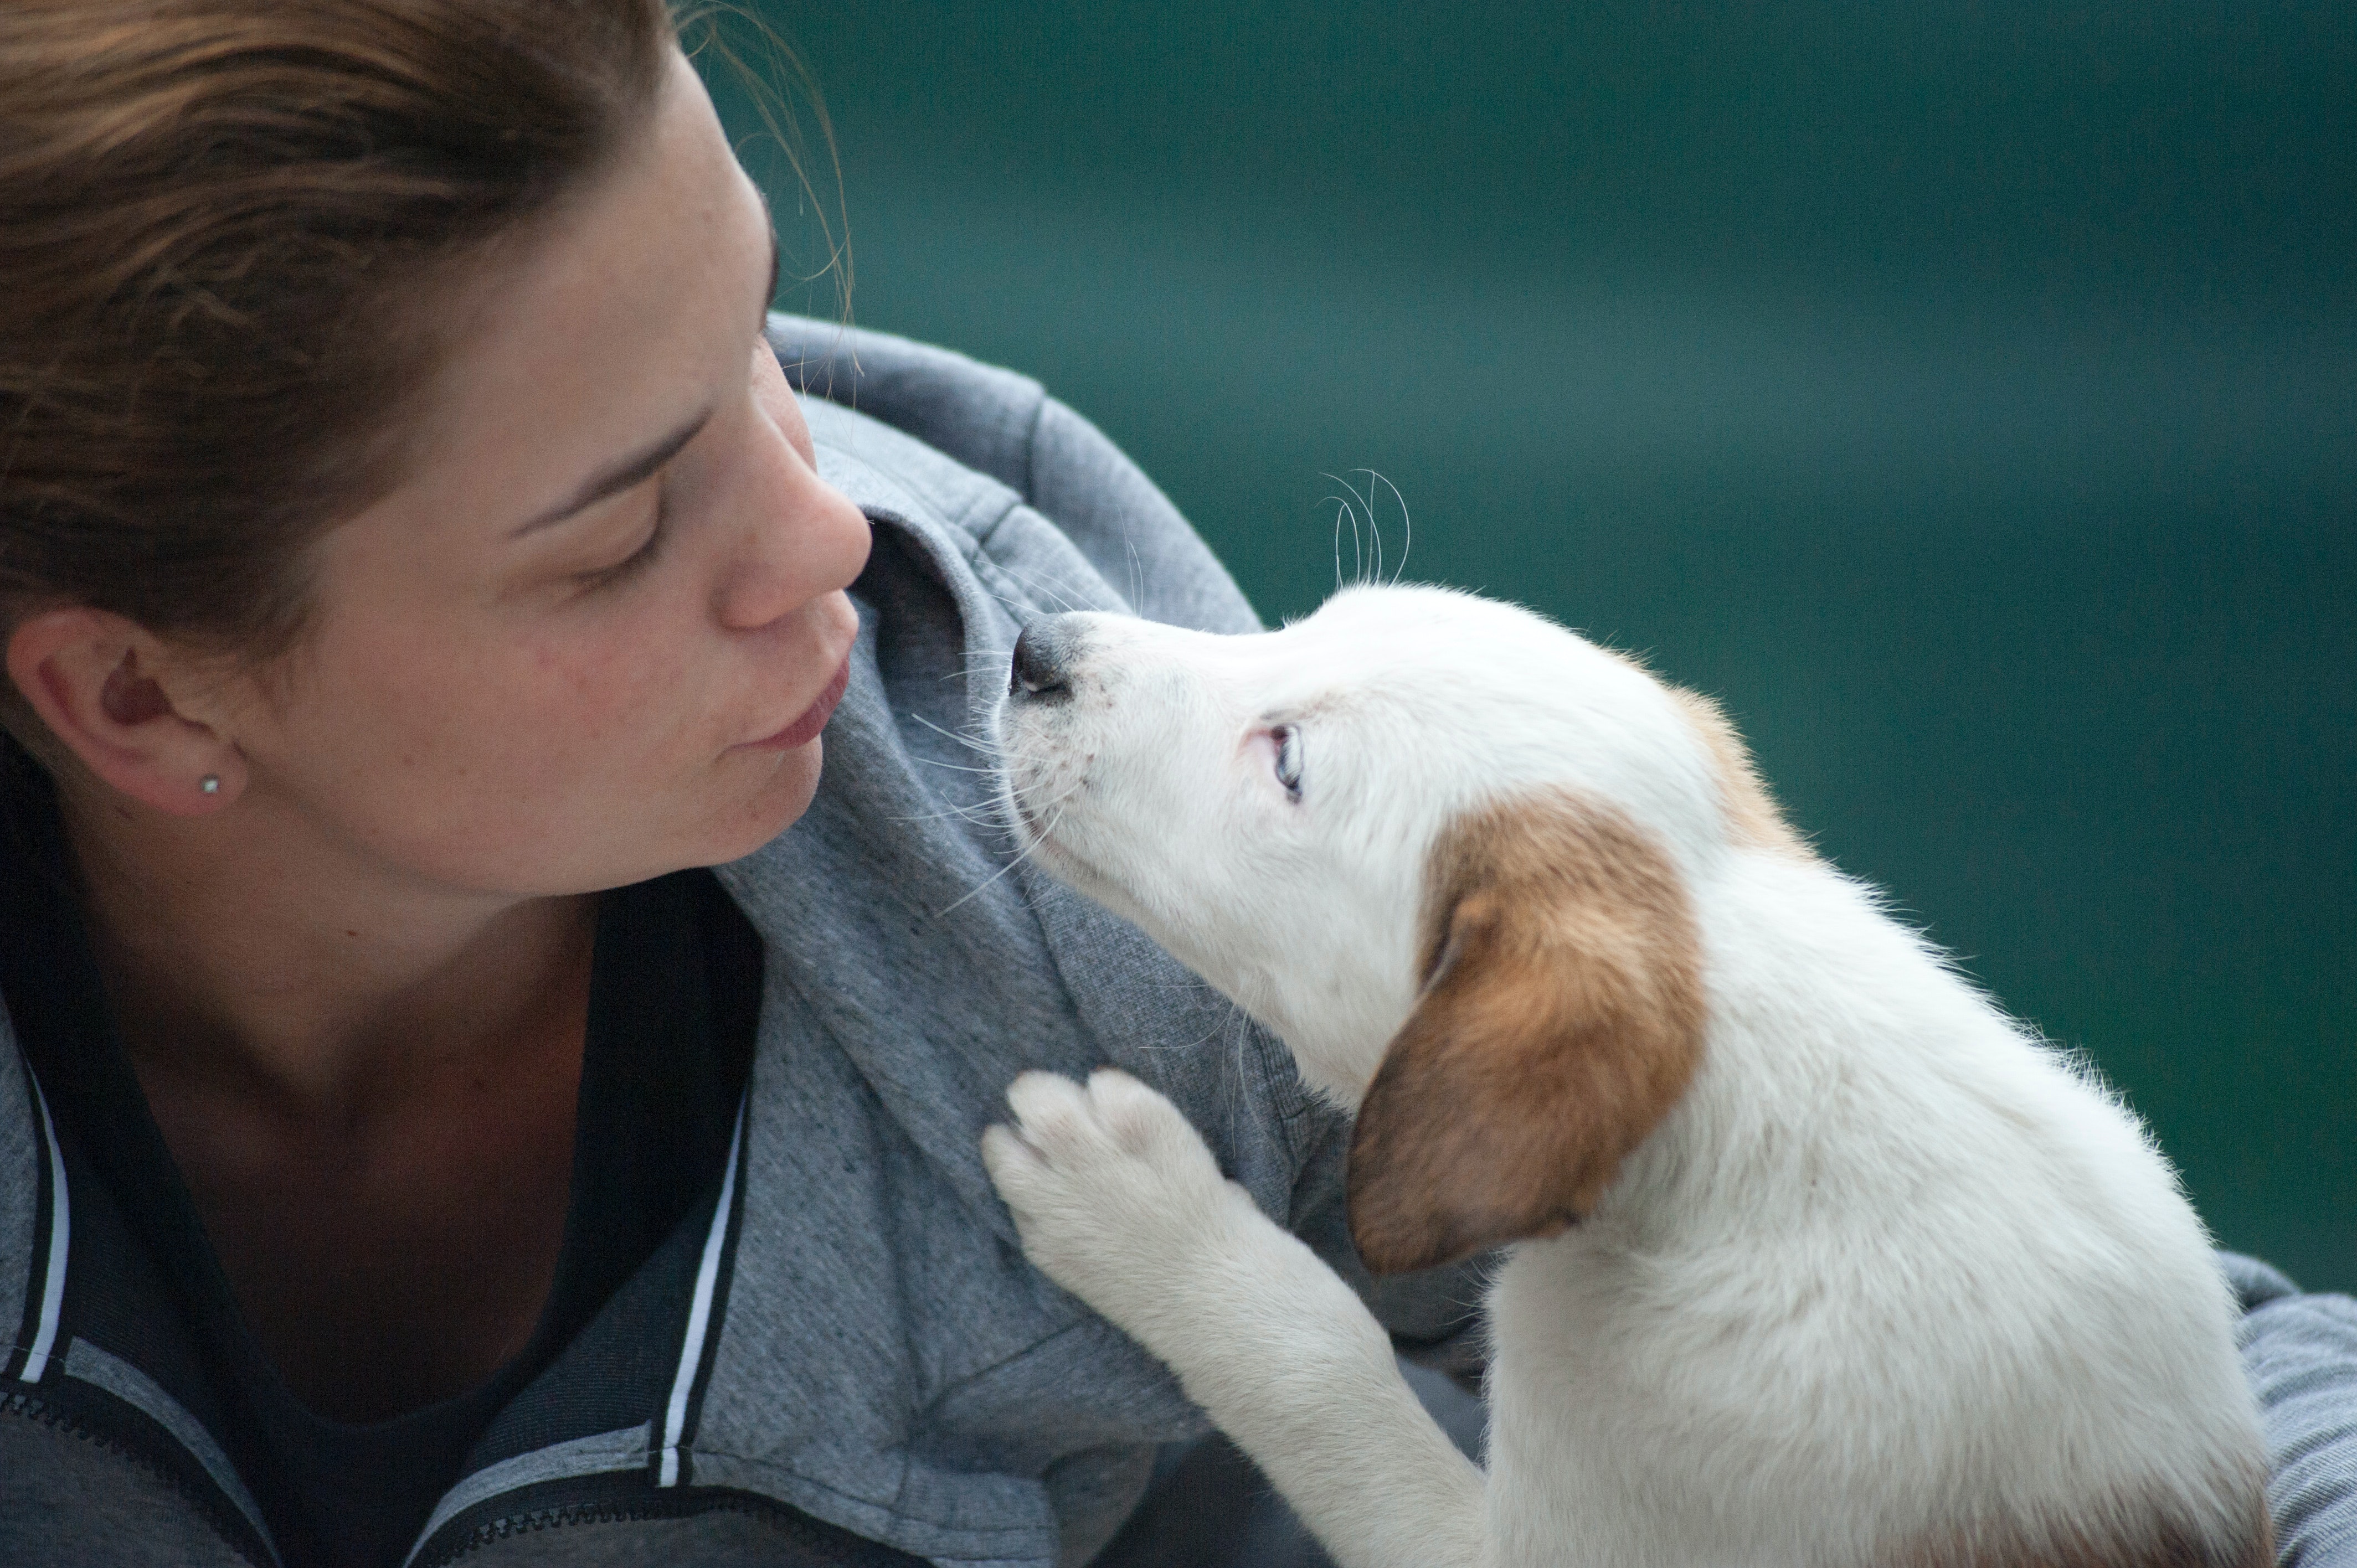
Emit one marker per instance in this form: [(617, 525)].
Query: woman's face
[(590, 636)]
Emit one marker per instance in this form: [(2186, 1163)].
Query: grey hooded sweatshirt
[(844, 1346)]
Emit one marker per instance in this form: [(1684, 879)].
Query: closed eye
[(640, 558)]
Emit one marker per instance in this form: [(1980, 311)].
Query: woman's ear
[(1561, 1018), (97, 681)]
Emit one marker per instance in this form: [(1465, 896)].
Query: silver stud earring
[(209, 783)]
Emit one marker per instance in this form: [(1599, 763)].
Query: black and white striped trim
[(703, 1317), (44, 1310)]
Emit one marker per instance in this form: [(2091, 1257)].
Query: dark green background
[(1964, 393)]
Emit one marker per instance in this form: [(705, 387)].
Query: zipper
[(205, 1499), (822, 1544), (51, 1390)]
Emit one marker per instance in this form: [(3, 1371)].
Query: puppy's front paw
[(1112, 1189)]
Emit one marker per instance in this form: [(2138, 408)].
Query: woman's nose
[(801, 538)]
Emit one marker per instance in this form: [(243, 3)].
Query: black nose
[(1039, 661)]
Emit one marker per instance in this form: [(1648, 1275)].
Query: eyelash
[(637, 560)]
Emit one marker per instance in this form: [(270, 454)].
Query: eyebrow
[(620, 476), (637, 471)]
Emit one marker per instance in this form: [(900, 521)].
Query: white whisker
[(1024, 855), (1037, 585), (980, 816), (1347, 504), (952, 734), (1407, 523)]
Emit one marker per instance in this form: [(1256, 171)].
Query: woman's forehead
[(611, 324)]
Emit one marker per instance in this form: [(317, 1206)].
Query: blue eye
[(1289, 759)]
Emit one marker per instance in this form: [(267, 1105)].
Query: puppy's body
[(1818, 1258), (1889, 1285)]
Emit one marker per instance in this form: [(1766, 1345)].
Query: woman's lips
[(804, 730)]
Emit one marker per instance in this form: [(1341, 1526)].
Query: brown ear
[(1562, 1016)]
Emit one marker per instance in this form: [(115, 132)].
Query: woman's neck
[(239, 955), (370, 1088)]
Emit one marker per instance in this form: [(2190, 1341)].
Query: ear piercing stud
[(209, 783)]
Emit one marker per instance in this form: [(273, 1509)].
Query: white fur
[(1890, 1272)]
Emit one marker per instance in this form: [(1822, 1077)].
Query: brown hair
[(222, 222)]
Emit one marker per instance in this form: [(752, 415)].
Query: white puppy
[(1817, 1258)]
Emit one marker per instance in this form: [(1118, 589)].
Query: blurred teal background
[(1966, 395)]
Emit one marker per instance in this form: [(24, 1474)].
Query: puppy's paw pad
[(1141, 1122), (1009, 1158), (1048, 1109), (1110, 1157)]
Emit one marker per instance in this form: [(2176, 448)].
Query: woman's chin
[(777, 802)]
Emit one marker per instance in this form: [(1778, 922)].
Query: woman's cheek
[(620, 675)]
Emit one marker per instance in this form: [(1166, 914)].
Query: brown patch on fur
[(1752, 817), (1562, 1016), (2155, 1536)]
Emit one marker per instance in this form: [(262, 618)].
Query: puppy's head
[(1441, 846)]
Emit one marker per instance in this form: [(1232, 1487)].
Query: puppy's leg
[(1118, 1201)]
